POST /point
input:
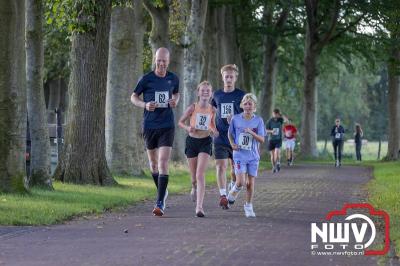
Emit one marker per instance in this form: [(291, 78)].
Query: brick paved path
[(285, 203)]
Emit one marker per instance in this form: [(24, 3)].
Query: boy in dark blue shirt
[(227, 102), (160, 90)]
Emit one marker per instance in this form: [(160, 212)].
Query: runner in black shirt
[(337, 134)]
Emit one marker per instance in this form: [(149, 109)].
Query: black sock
[(162, 186), (155, 178)]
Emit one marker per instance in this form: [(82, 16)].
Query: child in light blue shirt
[(246, 132)]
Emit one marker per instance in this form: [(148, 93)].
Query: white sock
[(222, 191), (249, 205)]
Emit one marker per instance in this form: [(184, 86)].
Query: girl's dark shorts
[(159, 137), (194, 146)]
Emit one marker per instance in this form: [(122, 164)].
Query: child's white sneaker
[(248, 210)]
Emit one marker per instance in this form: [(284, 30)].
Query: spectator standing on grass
[(358, 135)]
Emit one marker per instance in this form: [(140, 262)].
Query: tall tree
[(159, 34), (210, 50), (391, 19), (192, 55), (83, 159), (322, 28), (394, 100), (37, 116), (12, 96), (124, 147), (220, 42), (273, 31)]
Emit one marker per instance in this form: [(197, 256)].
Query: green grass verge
[(41, 207), (384, 194)]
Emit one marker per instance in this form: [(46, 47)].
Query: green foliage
[(179, 11), (56, 40), (73, 16), (342, 92)]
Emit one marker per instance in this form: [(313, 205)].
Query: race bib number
[(226, 109), (275, 131), (202, 121), (245, 141), (338, 135), (161, 99)]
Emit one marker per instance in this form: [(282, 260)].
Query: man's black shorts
[(194, 146), (158, 137), (223, 152), (274, 144)]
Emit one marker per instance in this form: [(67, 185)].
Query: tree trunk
[(192, 58), (212, 65), (12, 96), (221, 41), (159, 35), (248, 82), (230, 37), (83, 160), (268, 92), (270, 43), (308, 144), (394, 106), (37, 115), (54, 99), (124, 154)]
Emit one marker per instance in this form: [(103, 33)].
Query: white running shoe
[(248, 210)]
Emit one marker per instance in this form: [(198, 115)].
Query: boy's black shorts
[(223, 152), (274, 144), (158, 137), (194, 146)]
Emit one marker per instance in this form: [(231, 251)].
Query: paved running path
[(285, 203)]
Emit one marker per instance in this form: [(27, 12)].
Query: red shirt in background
[(289, 131)]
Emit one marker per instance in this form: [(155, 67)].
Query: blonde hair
[(248, 97), (230, 67), (204, 83)]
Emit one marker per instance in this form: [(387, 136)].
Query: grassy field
[(41, 207), (384, 194), (369, 150)]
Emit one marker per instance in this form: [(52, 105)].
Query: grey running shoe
[(278, 167)]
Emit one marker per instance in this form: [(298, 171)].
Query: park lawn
[(41, 207), (384, 194)]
